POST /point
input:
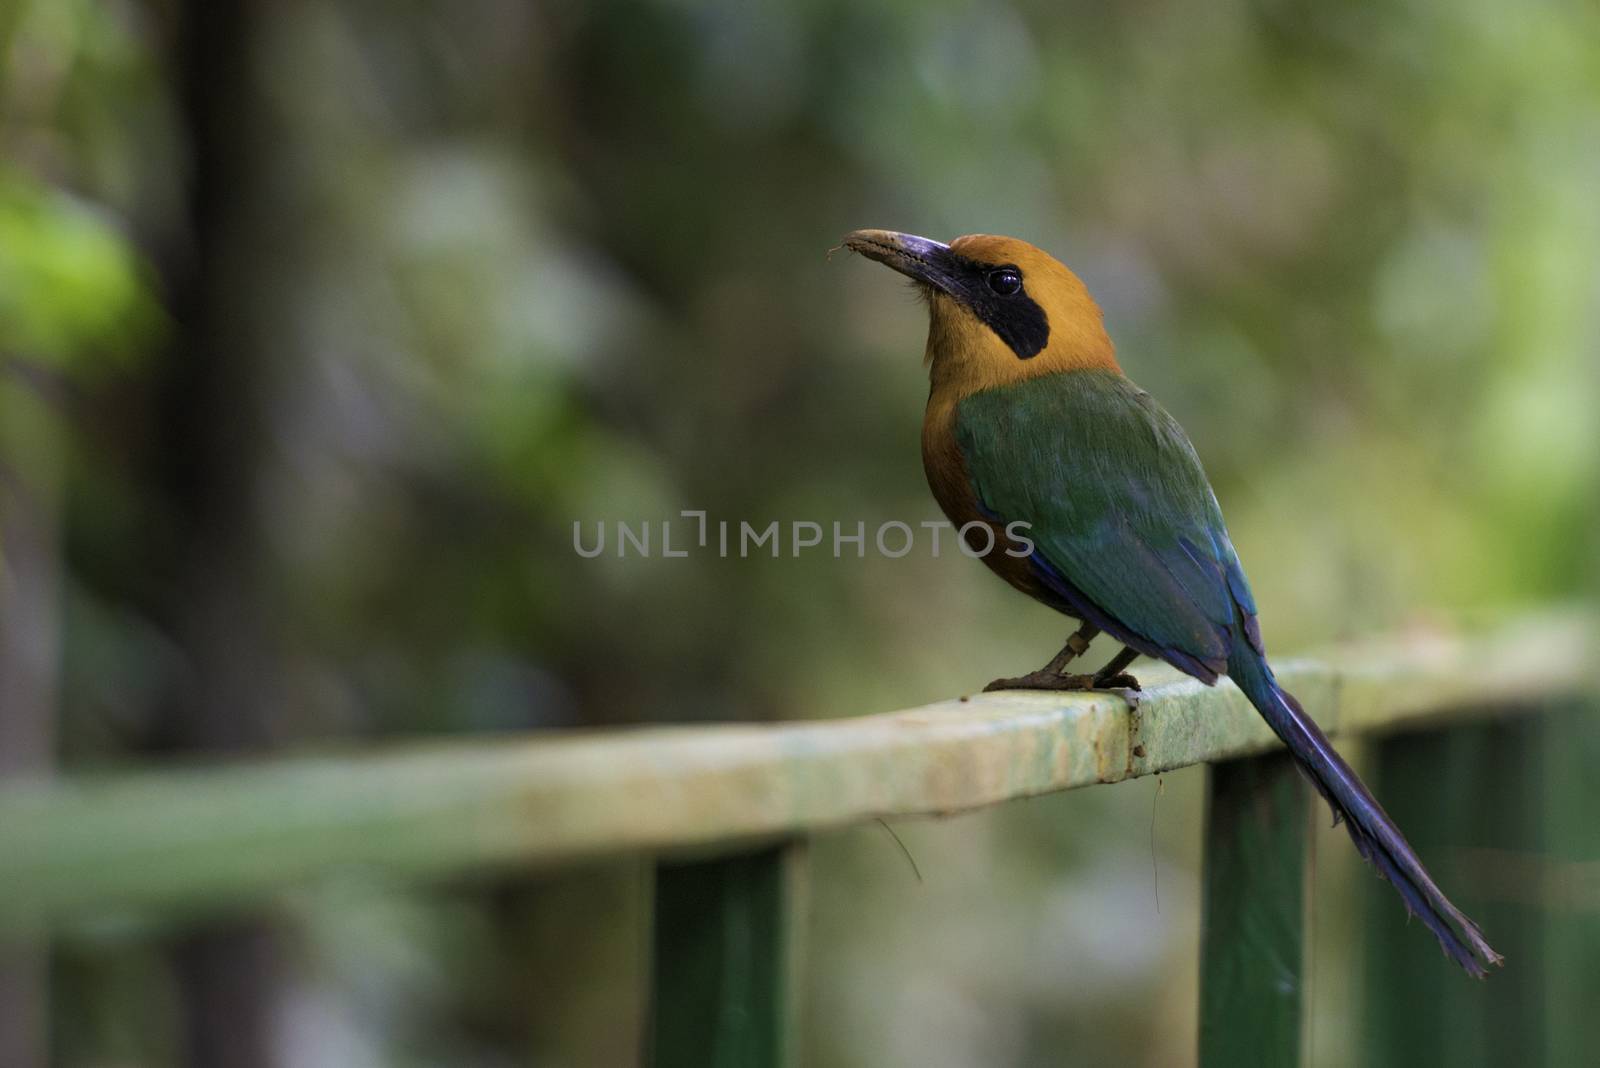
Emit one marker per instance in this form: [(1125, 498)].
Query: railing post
[(726, 971), (1252, 952), (1571, 891), (1475, 802)]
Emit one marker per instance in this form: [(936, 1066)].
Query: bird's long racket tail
[(1375, 835)]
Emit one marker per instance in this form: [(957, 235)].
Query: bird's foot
[(1045, 679), (1120, 681)]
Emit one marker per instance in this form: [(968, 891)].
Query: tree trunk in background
[(232, 976), (30, 647)]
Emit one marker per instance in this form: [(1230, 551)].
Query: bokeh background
[(321, 323)]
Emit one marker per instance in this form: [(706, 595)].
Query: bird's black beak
[(923, 260)]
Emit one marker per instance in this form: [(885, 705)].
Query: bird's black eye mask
[(998, 296)]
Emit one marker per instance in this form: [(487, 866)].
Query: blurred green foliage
[(489, 268), (70, 282)]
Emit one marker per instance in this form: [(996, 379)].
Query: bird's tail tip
[(1376, 837)]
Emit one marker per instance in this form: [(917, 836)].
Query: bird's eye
[(1005, 281)]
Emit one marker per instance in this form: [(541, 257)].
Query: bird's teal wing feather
[(1124, 524)]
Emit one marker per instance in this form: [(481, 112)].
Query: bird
[(1035, 440)]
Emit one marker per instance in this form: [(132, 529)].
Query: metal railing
[(726, 810)]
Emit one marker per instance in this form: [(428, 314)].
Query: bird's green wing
[(1125, 527)]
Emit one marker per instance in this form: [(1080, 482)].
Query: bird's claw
[(1042, 680), (1050, 680), (1122, 681)]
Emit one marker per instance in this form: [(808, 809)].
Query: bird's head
[(1000, 310)]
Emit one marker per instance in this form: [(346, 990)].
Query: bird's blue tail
[(1375, 835)]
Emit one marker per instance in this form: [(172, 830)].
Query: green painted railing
[(727, 809)]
